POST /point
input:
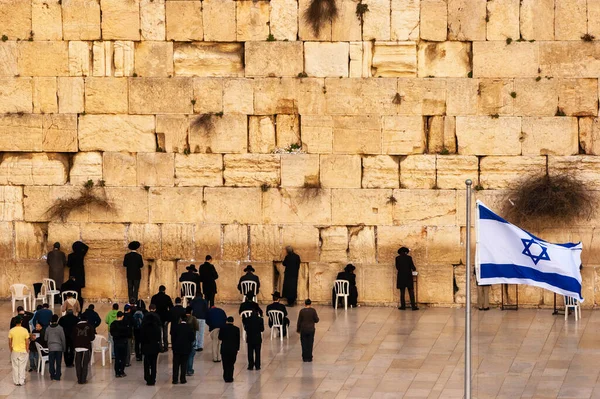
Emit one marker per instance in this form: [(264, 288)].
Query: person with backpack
[(138, 317)]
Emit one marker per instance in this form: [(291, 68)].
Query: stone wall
[(186, 112)]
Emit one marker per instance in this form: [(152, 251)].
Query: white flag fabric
[(507, 254)]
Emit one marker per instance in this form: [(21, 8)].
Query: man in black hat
[(277, 305), (291, 262), (249, 304), (208, 276), (133, 262), (348, 275), (192, 276), (249, 276), (404, 280), (229, 335)]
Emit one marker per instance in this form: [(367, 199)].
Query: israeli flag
[(506, 254)]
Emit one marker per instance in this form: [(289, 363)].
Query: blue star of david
[(543, 255)]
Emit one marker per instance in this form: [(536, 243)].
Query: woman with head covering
[(348, 275), (133, 262), (75, 262), (404, 280)]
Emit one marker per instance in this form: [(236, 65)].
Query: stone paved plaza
[(372, 353)]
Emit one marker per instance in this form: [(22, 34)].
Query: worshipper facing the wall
[(163, 304), (249, 276), (43, 316), (92, 316), (68, 323), (56, 260), (23, 316), (291, 262), (404, 279), (182, 338), (120, 334), (75, 262), (71, 304), (254, 326), (249, 304), (348, 275), (277, 305), (57, 344), (134, 263), (18, 344), (307, 318), (151, 343), (216, 319), (208, 276), (200, 311), (193, 322), (229, 336), (72, 284), (83, 336), (192, 276)]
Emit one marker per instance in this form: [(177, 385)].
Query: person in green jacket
[(110, 317)]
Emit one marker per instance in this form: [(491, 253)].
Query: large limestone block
[(55, 55), (453, 170), (59, 133), (360, 96), (149, 236), (446, 59), (8, 58), (379, 284), (273, 58), (208, 59), (154, 59), (238, 96), (30, 240), (420, 97), (466, 19), (588, 135), (361, 206), (317, 133), (503, 19), (133, 133), (380, 171), (11, 203), (266, 272), (81, 19), (261, 134), (326, 59), (207, 241), (104, 280), (7, 243), (188, 28), (121, 20), (441, 135), (440, 211), (434, 20), (586, 168), (229, 275), (394, 59), (417, 171), (550, 136), (334, 244), (444, 245), (63, 233), (377, 21), (235, 242), (318, 281), (164, 273), (219, 134), (106, 95), (16, 95), (462, 96), (86, 166), (198, 170), (483, 135), (172, 132), (494, 97), (46, 20), (357, 134), (177, 241), (106, 240), (129, 205), (175, 205), (304, 240), (284, 19), (340, 171), (593, 18), (570, 59), (436, 284), (33, 169), (361, 244), (79, 58), (208, 95), (403, 135), (155, 169), (297, 206), (287, 130), (265, 243), (355, 68), (568, 15), (276, 96), (44, 95), (346, 26), (102, 58), (305, 29), (505, 172), (537, 19), (578, 97), (299, 170), (38, 199), (152, 19), (251, 169), (392, 238), (219, 20), (21, 132), (119, 169), (15, 18), (70, 95), (160, 96), (489, 59), (536, 97), (123, 58), (252, 18), (405, 19), (223, 205)]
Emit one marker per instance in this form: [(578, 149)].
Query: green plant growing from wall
[(320, 12), (270, 38)]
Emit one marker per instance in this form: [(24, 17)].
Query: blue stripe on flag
[(493, 270)]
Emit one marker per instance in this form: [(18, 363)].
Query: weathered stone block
[(106, 95), (15, 19), (155, 169), (7, 242), (420, 97), (570, 59), (175, 205), (287, 130), (208, 95), (238, 96), (585, 168), (550, 136), (537, 19), (299, 170), (305, 29), (505, 172), (133, 133), (79, 58), (440, 134), (8, 58), (297, 206), (284, 19), (44, 95), (154, 59), (177, 241), (334, 244), (86, 166), (317, 133), (129, 205), (434, 20), (55, 56), (46, 20), (417, 171), (536, 97), (346, 26), (483, 135), (251, 169), (160, 95), (275, 96), (391, 238), (354, 206), (252, 19), (273, 58), (361, 244), (81, 19), (189, 28), (33, 169), (21, 132), (172, 132), (357, 134), (304, 240), (503, 18), (198, 170), (29, 240), (378, 284), (235, 242), (121, 20), (106, 240), (355, 68), (123, 58), (453, 170), (405, 19), (394, 59), (445, 59), (593, 18), (223, 205), (119, 169), (16, 95), (340, 171), (59, 133), (11, 203), (380, 171), (589, 135), (466, 20), (207, 241), (219, 20), (316, 279), (208, 59), (403, 135), (219, 134), (436, 284), (102, 59), (261, 134), (326, 59), (578, 97), (568, 15), (265, 243), (377, 21), (489, 57), (152, 19), (462, 96), (440, 212), (70, 95), (494, 97)]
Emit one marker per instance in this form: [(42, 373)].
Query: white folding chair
[(342, 289), (244, 314), (20, 292), (51, 290), (572, 303), (42, 357), (248, 286), (42, 296), (276, 318), (64, 295), (189, 291), (101, 345)]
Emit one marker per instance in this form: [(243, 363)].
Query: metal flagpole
[(468, 183)]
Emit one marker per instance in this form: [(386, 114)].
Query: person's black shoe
[(150, 384), (123, 375), (486, 309), (199, 350), (480, 308), (138, 359), (250, 368), (175, 382), (415, 308), (231, 380), (402, 308), (183, 382), (258, 368)]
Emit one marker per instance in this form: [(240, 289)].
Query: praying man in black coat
[(229, 335), (404, 280), (290, 277), (134, 263), (249, 276)]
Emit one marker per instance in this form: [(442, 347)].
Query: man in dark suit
[(182, 339), (150, 334), (133, 262), (192, 276), (249, 276), (163, 304), (229, 335), (404, 279), (208, 276), (254, 326), (177, 312), (277, 305)]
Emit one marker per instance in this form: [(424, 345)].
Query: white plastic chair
[(189, 291), (342, 289), (244, 314), (20, 292), (572, 303), (248, 286), (50, 290), (276, 318), (98, 347), (42, 296), (42, 358), (64, 295)]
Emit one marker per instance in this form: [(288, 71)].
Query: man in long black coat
[(208, 276), (151, 345), (277, 305), (229, 335), (76, 264), (348, 275), (133, 262), (290, 277), (182, 338), (254, 326), (249, 276), (164, 304), (192, 276), (404, 280), (57, 260)]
